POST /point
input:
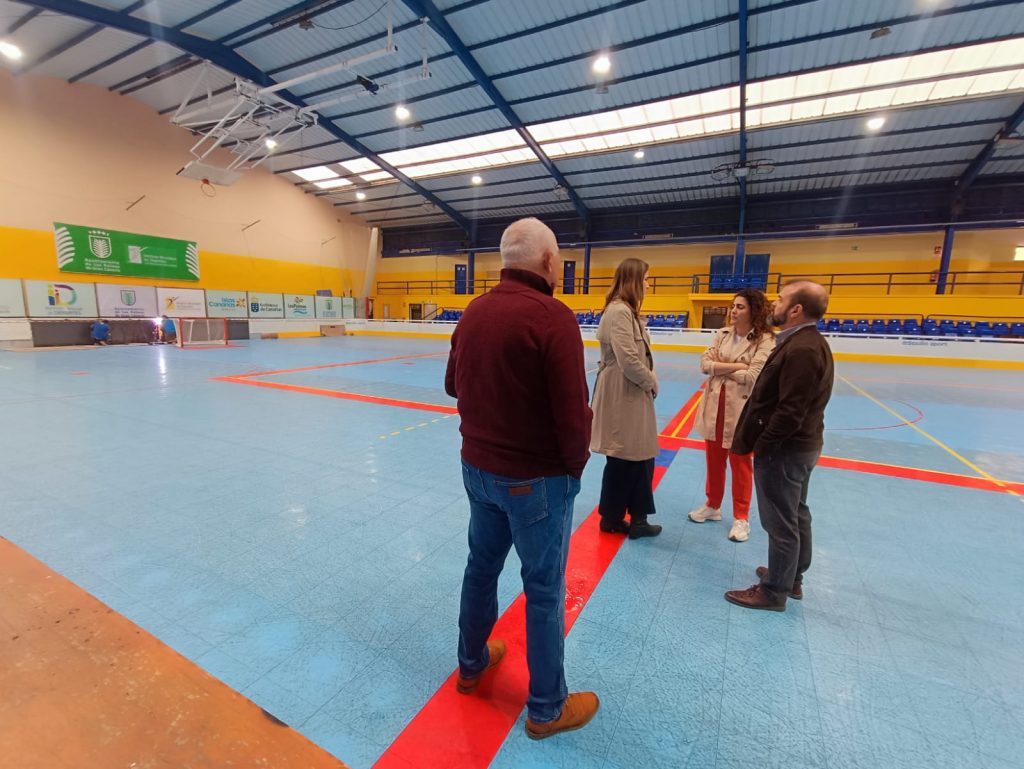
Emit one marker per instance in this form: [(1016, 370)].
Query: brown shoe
[(755, 597), (796, 592), (577, 710), (468, 685)]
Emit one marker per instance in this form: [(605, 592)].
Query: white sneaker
[(740, 531), (705, 513)]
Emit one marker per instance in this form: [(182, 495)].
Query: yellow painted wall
[(80, 154), (984, 250)]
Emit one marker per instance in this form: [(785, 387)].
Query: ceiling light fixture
[(639, 154), (875, 123), (402, 112), (880, 32), (477, 179), (10, 50), (270, 143), (360, 195), (602, 65)]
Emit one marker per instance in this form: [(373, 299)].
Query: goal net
[(193, 332)]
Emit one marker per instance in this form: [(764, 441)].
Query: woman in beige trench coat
[(625, 429), (732, 363)]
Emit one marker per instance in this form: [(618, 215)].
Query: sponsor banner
[(227, 304), (12, 304), (110, 252), (181, 302), (61, 300), (299, 306), (328, 307), (266, 305), (126, 301)]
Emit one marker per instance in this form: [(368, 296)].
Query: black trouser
[(781, 481), (627, 485)]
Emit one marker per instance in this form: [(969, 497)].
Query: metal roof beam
[(739, 260), (146, 43), (231, 62), (23, 20), (71, 42), (977, 165), (426, 8)]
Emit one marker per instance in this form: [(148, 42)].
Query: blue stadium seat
[(821, 324), (833, 326), (983, 328), (847, 327), (878, 327), (1000, 329), (894, 327), (964, 328), (1017, 330), (911, 327), (863, 327)]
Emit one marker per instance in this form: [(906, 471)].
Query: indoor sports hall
[(236, 237)]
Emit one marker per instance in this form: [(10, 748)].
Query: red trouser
[(742, 470)]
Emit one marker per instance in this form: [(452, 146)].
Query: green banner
[(124, 254)]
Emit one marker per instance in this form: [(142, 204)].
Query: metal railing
[(706, 283)]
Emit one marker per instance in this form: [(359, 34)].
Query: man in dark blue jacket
[(783, 423), (516, 368)]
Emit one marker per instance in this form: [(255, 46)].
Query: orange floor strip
[(338, 365), (81, 686), (434, 407)]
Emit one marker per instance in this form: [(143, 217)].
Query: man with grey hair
[(516, 368), (783, 423)]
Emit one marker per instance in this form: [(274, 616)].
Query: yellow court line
[(933, 439), (686, 417)]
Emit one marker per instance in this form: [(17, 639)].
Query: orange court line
[(332, 365), (434, 407), (84, 687), (880, 468)]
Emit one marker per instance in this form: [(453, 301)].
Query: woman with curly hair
[(732, 364)]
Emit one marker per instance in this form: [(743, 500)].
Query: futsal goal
[(195, 332)]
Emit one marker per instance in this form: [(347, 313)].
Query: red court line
[(333, 365), (879, 468), (465, 732), (687, 412), (438, 409)]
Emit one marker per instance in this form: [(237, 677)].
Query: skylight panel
[(923, 65), (836, 105), (608, 121), (573, 147), (991, 82), (715, 101), (663, 133), (812, 84), (640, 136), (690, 127), (848, 78), (717, 124), (685, 107), (782, 113), (330, 184), (911, 94), (886, 72), (659, 112), (598, 144), (879, 98), (376, 176), (780, 89), (632, 116), (315, 174), (970, 58), (359, 165), (809, 109), (1008, 53), (952, 88)]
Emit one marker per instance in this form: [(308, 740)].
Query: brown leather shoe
[(577, 710), (797, 591), (755, 597), (468, 685)]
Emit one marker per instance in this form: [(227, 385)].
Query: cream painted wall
[(81, 154)]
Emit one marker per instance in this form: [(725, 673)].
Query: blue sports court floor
[(308, 550)]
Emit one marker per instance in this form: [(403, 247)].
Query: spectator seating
[(929, 327)]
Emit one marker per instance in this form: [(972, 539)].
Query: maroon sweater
[(516, 368)]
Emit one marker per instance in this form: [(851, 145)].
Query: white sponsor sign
[(58, 299), (299, 306), (227, 304), (328, 307), (12, 305), (266, 305), (181, 302), (126, 301)]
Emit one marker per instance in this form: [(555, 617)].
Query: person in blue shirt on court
[(100, 332), (168, 333)]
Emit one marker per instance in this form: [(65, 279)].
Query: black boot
[(613, 527), (641, 528)]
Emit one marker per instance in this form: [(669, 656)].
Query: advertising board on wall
[(328, 307), (227, 304), (48, 299), (181, 302), (113, 253), (299, 306), (126, 301), (12, 304), (266, 305)]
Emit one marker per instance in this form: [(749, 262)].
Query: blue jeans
[(536, 516)]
